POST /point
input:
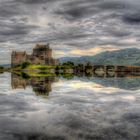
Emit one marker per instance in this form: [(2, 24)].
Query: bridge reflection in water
[(112, 71), (129, 80)]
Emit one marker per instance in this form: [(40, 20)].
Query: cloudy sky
[(72, 27)]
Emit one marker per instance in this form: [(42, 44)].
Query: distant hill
[(129, 56), (6, 65)]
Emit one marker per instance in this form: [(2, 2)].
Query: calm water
[(80, 108)]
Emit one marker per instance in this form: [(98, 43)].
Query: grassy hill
[(120, 57)]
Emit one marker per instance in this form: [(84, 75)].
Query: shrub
[(1, 67), (25, 65), (69, 63), (25, 76)]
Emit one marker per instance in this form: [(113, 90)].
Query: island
[(42, 63)]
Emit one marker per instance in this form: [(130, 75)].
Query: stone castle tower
[(42, 54)]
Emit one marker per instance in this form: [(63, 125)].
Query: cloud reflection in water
[(75, 109)]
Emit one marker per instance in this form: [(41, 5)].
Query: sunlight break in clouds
[(91, 51)]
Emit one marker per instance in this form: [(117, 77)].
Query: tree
[(25, 65), (25, 76), (80, 67), (68, 63), (57, 69), (1, 67), (89, 65)]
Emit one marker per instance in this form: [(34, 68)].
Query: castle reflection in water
[(43, 85), (40, 85)]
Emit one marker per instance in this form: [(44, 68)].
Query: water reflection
[(43, 85), (40, 85), (78, 108)]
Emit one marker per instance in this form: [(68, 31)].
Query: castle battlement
[(39, 46)]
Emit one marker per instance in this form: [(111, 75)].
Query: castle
[(42, 54)]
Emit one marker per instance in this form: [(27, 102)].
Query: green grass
[(42, 70), (40, 67), (68, 76), (33, 74), (46, 67)]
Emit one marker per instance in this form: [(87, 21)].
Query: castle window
[(42, 57)]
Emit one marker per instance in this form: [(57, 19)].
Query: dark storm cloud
[(78, 9), (35, 1), (132, 18), (14, 31), (113, 5)]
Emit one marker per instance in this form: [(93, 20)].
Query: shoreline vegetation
[(69, 68)]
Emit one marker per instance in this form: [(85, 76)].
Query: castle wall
[(18, 58), (48, 53)]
